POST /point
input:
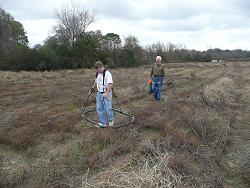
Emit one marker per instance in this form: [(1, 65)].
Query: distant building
[(214, 61), (217, 61)]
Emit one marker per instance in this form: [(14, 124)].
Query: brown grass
[(221, 92), (179, 142), (145, 171)]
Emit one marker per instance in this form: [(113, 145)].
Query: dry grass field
[(197, 136)]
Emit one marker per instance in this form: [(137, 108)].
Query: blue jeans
[(104, 108), (157, 86)]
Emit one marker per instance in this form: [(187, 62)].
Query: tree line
[(72, 46)]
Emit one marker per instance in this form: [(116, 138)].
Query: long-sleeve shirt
[(157, 70)]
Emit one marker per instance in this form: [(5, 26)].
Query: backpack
[(103, 74)]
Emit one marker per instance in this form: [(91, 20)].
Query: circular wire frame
[(131, 118)]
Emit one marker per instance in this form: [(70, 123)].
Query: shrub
[(220, 92)]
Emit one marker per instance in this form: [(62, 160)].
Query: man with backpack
[(104, 84), (157, 75)]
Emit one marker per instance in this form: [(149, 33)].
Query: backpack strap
[(103, 74)]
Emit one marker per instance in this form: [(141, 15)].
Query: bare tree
[(73, 20)]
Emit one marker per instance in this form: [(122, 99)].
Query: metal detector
[(85, 112)]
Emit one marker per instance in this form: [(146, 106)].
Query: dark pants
[(157, 86)]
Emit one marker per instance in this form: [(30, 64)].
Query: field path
[(238, 157)]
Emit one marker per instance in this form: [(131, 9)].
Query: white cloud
[(38, 30), (197, 24)]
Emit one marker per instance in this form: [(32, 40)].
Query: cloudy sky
[(199, 24)]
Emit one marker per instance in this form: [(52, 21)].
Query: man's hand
[(105, 95), (109, 88), (92, 90)]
